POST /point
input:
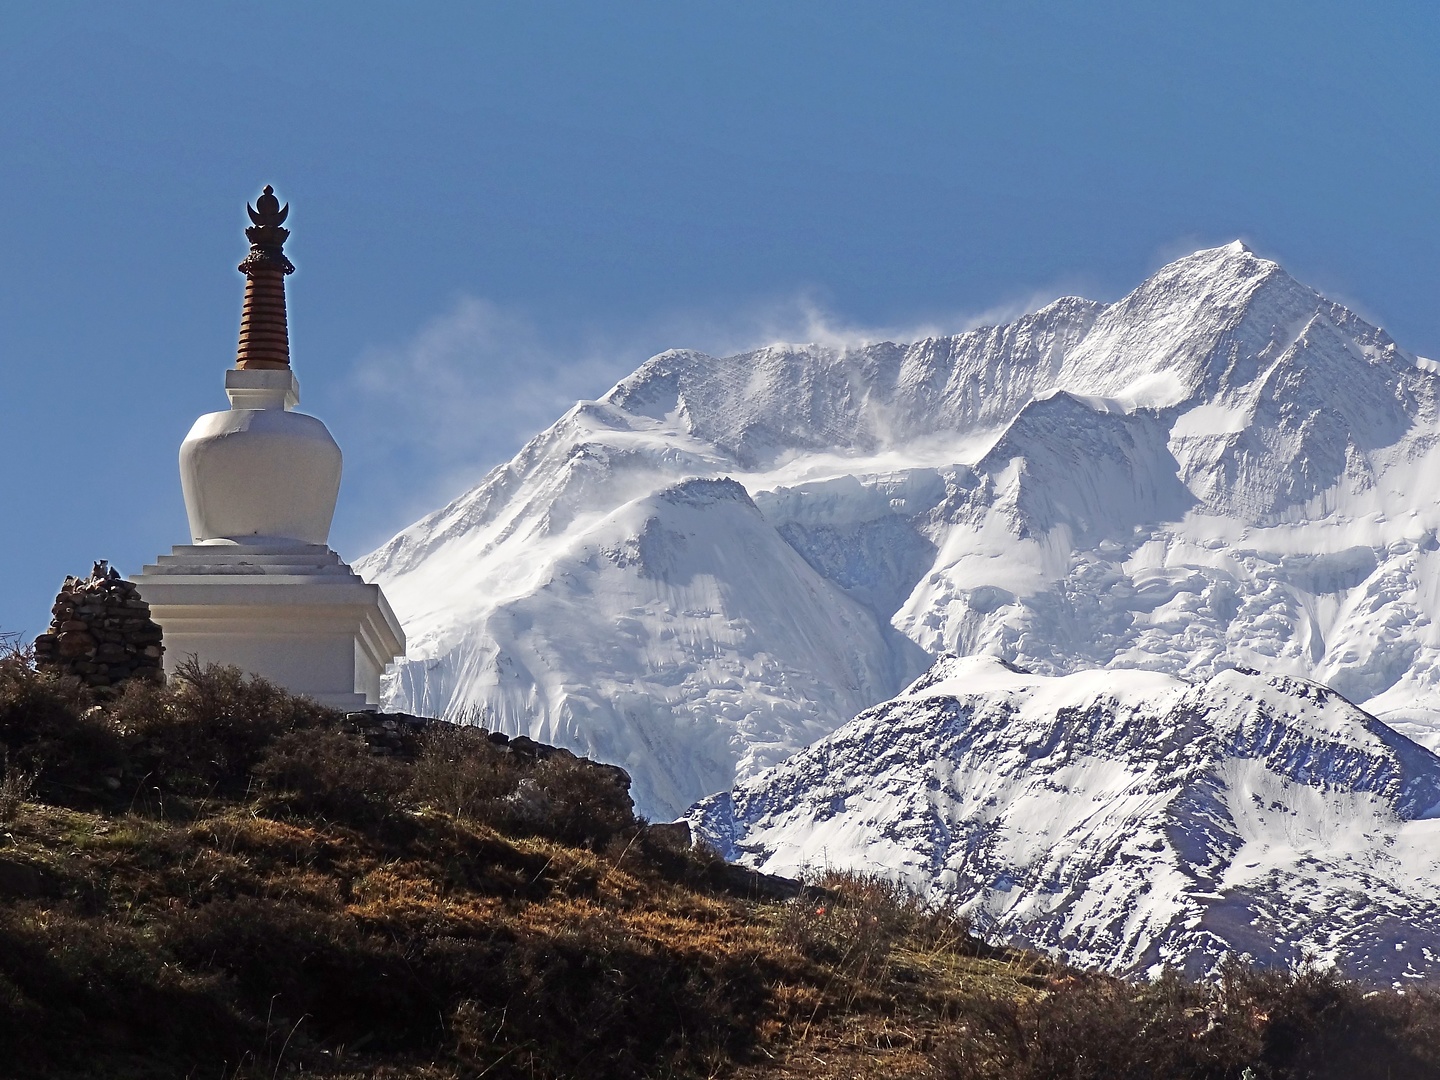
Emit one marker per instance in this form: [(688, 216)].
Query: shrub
[(50, 728), (1254, 1024), (586, 1001), (333, 774), (625, 1010), (582, 803), (73, 989), (461, 772), (207, 730), (855, 918), (287, 962), (15, 787), (1319, 1025)]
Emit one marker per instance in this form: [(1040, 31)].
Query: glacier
[(1129, 819), (724, 559)]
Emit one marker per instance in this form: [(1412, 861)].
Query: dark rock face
[(101, 632)]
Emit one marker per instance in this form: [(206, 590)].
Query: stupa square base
[(292, 613)]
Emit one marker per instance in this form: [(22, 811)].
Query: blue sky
[(500, 208)]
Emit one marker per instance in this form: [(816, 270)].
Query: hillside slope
[(217, 879)]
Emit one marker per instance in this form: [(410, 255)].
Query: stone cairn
[(101, 632)]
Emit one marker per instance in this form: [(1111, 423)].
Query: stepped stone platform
[(292, 612)]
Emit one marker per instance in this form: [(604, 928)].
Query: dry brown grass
[(16, 785)]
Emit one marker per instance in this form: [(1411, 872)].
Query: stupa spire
[(264, 332)]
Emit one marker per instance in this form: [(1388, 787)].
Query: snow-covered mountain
[(1125, 817), (723, 559)]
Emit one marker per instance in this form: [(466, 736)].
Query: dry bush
[(286, 961), (857, 918), (587, 1001), (461, 772), (875, 939), (73, 989), (1095, 1028), (49, 726), (1319, 1025), (206, 731), (600, 1008), (202, 734), (1254, 1024), (1170, 1028), (38, 713), (579, 802), (332, 774), (16, 785)]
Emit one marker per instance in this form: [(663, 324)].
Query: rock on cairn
[(101, 632)]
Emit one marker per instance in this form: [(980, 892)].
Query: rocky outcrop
[(101, 632), (397, 734)]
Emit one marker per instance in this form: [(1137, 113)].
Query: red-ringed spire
[(264, 332)]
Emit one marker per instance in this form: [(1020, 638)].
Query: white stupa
[(259, 587)]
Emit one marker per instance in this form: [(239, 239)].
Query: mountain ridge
[(1222, 468), (1127, 818)]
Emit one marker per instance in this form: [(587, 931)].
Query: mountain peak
[(1086, 486), (1228, 273)]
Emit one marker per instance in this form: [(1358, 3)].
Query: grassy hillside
[(216, 879)]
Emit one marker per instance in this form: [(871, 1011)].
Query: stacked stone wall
[(101, 632), (396, 734)]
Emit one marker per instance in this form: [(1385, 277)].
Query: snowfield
[(725, 559)]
